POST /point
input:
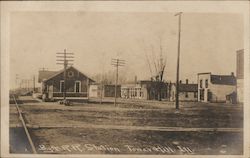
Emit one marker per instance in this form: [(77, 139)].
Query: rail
[(25, 127)]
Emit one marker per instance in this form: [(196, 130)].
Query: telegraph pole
[(101, 88), (178, 63), (102, 78), (17, 78), (27, 84), (34, 84), (116, 63), (21, 84), (64, 59), (43, 69)]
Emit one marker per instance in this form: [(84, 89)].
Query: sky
[(208, 42)]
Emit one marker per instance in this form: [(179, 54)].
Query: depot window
[(61, 86)]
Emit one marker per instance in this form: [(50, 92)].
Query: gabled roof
[(55, 73), (44, 74), (223, 79), (188, 87)]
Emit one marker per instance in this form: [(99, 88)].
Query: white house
[(216, 88), (94, 90)]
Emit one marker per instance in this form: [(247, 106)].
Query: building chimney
[(186, 81)]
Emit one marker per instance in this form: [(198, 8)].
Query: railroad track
[(24, 125), (137, 128)]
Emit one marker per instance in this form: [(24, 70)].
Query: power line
[(34, 83), (116, 63), (43, 69), (63, 59)]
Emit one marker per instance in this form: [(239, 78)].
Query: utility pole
[(34, 84), (21, 84), (102, 77), (178, 63), (17, 78), (43, 69), (88, 88), (116, 63), (27, 82), (101, 88), (63, 59)]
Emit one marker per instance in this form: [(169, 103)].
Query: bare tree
[(156, 63), (108, 77)]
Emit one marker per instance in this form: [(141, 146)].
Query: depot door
[(209, 95), (201, 95)]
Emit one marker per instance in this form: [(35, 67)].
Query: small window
[(61, 86), (206, 83), (200, 83), (186, 94), (70, 74)]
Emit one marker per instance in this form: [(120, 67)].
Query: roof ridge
[(60, 71)]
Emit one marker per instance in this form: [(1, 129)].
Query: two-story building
[(216, 88)]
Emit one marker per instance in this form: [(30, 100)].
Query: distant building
[(216, 88), (52, 83), (240, 75), (132, 91), (107, 90), (94, 90), (187, 92), (145, 89)]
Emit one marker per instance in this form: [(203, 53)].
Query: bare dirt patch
[(128, 114)]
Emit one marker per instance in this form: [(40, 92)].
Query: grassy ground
[(134, 113)]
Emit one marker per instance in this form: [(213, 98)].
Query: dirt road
[(133, 127)]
